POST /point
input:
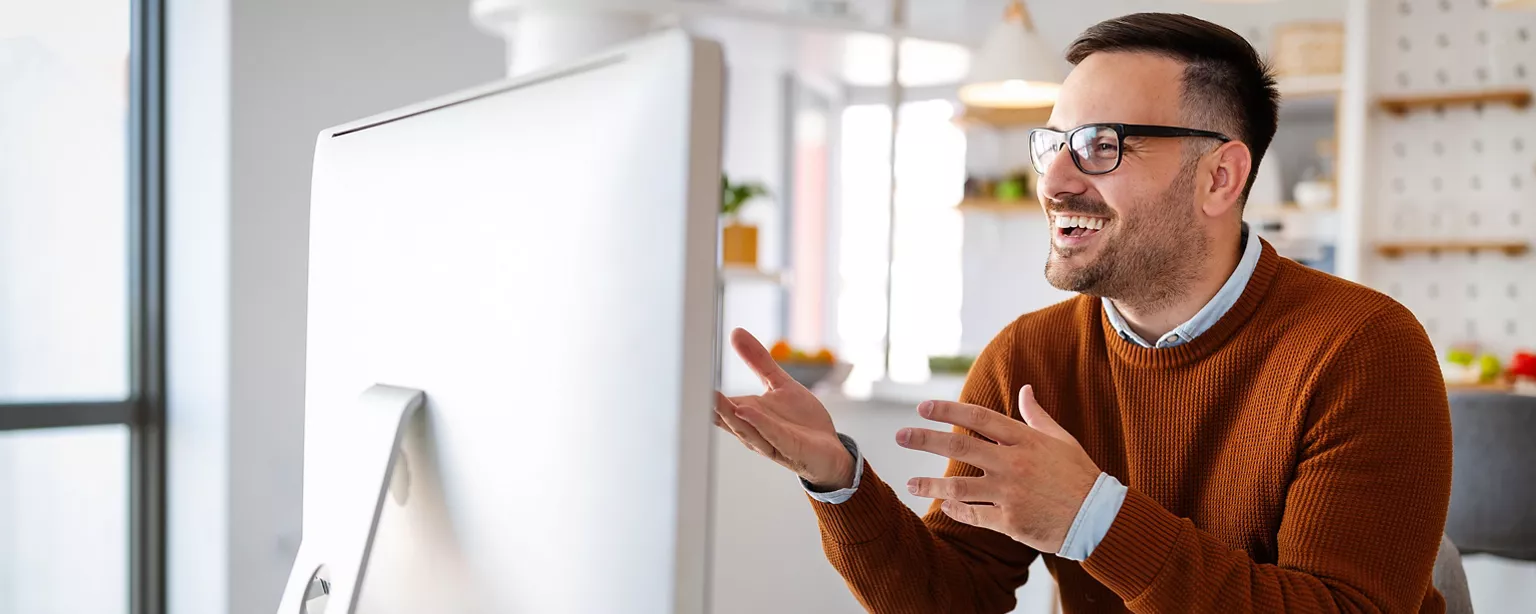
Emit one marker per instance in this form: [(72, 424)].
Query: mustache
[(1078, 205)]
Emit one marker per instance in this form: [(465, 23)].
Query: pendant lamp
[(1014, 69)]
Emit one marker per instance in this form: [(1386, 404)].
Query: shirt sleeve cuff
[(1094, 518), (838, 496)]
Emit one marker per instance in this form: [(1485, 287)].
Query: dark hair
[(1226, 83)]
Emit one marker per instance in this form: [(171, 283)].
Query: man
[(1207, 428)]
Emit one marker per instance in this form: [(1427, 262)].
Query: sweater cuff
[(872, 512), (1137, 546)]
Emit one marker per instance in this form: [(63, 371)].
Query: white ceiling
[(863, 60)]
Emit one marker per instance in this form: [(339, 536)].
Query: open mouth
[(1079, 226)]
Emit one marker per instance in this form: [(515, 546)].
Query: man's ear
[(1228, 170)]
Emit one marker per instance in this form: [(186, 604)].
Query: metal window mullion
[(898, 21), (24, 416), (146, 313)]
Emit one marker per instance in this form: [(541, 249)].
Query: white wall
[(754, 150), (1004, 253), (251, 82)]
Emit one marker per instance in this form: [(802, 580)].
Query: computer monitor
[(517, 285)]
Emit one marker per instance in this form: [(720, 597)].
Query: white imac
[(512, 301)]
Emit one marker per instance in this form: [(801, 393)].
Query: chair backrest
[(1493, 484), (1451, 579)]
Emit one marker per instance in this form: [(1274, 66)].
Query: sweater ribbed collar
[(1210, 340)]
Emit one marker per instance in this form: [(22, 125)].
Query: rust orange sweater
[(1295, 457)]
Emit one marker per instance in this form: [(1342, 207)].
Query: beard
[(1146, 258)]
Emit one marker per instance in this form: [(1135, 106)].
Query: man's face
[(1143, 239)]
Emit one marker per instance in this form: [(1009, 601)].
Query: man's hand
[(787, 423), (1036, 475)]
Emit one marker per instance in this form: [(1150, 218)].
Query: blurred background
[(879, 227)]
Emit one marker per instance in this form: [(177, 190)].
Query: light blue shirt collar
[(1208, 315)]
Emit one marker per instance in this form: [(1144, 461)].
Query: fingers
[(957, 488), (773, 430), (759, 360), (983, 421), (984, 516), (1036, 417), (725, 416), (963, 448)]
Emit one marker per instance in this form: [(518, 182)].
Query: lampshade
[(1014, 69)]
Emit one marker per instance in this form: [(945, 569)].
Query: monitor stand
[(334, 553)]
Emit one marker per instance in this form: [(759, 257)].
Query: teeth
[(1073, 221)]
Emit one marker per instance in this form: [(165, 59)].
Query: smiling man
[(1207, 428)]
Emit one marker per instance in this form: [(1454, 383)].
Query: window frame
[(143, 412)]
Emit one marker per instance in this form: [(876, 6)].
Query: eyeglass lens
[(1096, 149)]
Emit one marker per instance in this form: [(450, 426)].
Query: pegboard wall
[(1454, 173)]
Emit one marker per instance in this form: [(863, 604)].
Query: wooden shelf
[(982, 205), (1493, 387), (1394, 249), (1004, 118), (1293, 88), (1401, 105)]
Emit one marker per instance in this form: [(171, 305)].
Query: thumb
[(1035, 416)]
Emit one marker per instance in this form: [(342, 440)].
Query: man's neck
[(1152, 321)]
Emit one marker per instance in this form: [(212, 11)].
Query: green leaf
[(735, 196)]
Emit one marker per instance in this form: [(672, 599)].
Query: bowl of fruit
[(803, 365)]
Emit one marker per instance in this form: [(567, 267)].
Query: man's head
[(1171, 197)]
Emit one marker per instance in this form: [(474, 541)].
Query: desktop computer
[(512, 345)]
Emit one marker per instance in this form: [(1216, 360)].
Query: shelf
[(1394, 249), (737, 274), (937, 388), (1494, 387), (1307, 90), (1401, 105), (1004, 118), (984, 205)]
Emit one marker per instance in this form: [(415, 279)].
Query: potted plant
[(738, 241)]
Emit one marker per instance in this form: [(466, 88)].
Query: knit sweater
[(1295, 457)]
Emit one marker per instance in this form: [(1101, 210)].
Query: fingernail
[(912, 486), (903, 435), (925, 408)]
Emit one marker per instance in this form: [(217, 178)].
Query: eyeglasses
[(1096, 148)]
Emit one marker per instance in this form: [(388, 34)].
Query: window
[(925, 264), (80, 414)]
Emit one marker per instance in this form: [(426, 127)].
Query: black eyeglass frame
[(1121, 131)]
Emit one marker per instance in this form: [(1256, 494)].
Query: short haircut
[(1227, 86)]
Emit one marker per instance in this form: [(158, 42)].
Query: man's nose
[(1062, 177)]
